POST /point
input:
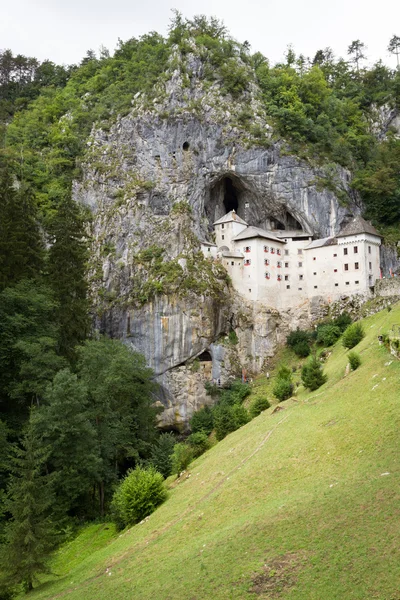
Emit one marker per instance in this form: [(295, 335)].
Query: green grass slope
[(301, 503)]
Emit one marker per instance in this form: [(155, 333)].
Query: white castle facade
[(283, 269)]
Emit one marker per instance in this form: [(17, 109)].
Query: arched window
[(185, 146)]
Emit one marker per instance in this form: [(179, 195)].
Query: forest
[(77, 409)]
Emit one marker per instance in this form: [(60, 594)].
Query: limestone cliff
[(155, 183)]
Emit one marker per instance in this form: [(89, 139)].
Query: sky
[(63, 30)]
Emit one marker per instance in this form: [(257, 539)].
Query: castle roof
[(358, 225), (328, 241), (230, 216), (296, 233), (234, 254), (255, 232), (204, 243)]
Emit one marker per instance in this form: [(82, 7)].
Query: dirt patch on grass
[(278, 575)]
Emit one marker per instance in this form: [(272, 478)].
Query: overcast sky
[(63, 30)]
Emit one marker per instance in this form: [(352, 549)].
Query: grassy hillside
[(302, 503)]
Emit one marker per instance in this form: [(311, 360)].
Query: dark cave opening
[(230, 196), (205, 356)]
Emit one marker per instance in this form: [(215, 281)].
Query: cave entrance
[(230, 195), (205, 356)]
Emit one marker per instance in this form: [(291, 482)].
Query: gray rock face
[(191, 148)]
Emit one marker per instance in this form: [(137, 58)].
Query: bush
[(312, 375), (283, 389), (242, 390), (342, 321), (199, 443), (295, 337), (233, 338), (161, 454), (182, 456), (353, 335), (328, 334), (137, 496), (301, 349), (354, 360), (202, 420), (258, 406), (228, 418)]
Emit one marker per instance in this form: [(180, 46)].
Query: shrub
[(258, 406), (353, 335), (354, 360), (199, 443), (182, 456), (233, 338), (212, 389), (295, 337), (137, 496), (342, 321), (328, 334), (202, 421), (301, 349), (312, 375), (242, 390), (161, 454), (228, 418), (283, 389)]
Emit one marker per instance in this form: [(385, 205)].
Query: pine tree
[(21, 244), (29, 535), (312, 375), (67, 273)]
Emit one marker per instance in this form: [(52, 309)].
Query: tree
[(29, 534), (65, 426), (356, 49), (312, 375), (161, 454), (67, 273), (394, 47)]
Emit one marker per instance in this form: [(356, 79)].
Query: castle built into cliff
[(284, 269)]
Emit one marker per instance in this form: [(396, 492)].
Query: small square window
[(315, 287), (286, 265), (301, 277), (250, 290), (288, 287), (336, 284), (209, 250), (356, 282), (345, 251), (335, 255), (356, 265), (286, 252), (299, 251), (300, 264), (299, 289), (355, 249), (314, 273), (222, 226), (232, 263), (347, 282), (346, 267), (286, 277), (314, 258), (335, 270)]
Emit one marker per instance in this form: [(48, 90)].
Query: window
[(356, 282), (267, 275), (209, 250), (278, 251), (227, 262), (336, 284), (247, 248), (286, 265), (299, 289), (247, 261), (279, 264), (315, 287), (355, 248), (370, 266), (347, 282), (288, 287), (223, 237), (300, 264), (299, 251), (301, 277), (286, 252), (266, 249), (346, 267), (222, 226), (266, 261), (369, 249), (335, 255), (345, 251), (286, 277), (356, 265), (250, 290), (314, 258), (335, 270), (272, 250), (314, 273), (232, 263), (279, 277)]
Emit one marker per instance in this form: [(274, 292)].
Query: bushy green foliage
[(241, 390), (228, 417), (328, 334), (283, 389), (343, 321), (199, 442), (233, 338), (202, 421), (353, 335), (297, 336), (354, 360), (258, 405), (182, 456), (161, 454), (302, 349), (312, 375), (137, 496)]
